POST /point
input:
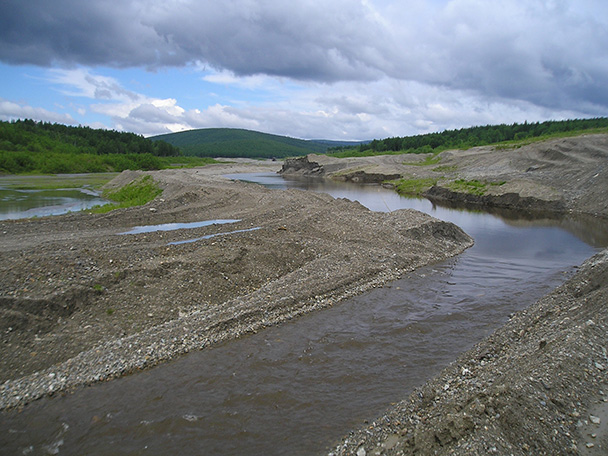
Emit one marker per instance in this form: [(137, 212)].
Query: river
[(298, 388)]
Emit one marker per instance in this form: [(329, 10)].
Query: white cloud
[(342, 110), (547, 52), (10, 110)]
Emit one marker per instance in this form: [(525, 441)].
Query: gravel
[(81, 303)]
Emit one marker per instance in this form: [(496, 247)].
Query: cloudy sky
[(335, 69)]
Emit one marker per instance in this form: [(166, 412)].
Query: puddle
[(209, 236), (176, 226)]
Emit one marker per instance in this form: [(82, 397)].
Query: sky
[(311, 69)]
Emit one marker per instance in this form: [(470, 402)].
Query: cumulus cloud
[(10, 110)]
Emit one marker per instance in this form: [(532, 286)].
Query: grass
[(414, 186), (445, 169), (428, 160), (474, 187), (136, 193), (517, 143), (504, 145)]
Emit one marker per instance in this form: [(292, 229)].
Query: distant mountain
[(234, 142)]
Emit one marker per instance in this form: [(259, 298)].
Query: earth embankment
[(81, 301), (537, 386), (568, 175)]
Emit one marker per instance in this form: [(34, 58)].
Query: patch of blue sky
[(26, 84)]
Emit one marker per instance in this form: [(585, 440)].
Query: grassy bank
[(136, 193), (29, 147), (27, 162)]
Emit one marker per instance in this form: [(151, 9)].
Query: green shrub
[(414, 186)]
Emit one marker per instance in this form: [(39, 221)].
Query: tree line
[(31, 146), (471, 137)]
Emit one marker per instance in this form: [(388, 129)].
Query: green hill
[(464, 138), (233, 142), (27, 146)]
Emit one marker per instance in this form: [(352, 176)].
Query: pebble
[(594, 419)]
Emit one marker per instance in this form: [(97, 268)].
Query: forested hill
[(475, 136), (233, 142), (27, 146)]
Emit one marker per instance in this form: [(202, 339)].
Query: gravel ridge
[(81, 303)]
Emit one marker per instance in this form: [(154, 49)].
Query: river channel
[(298, 388)]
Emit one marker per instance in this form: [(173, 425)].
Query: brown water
[(298, 388)]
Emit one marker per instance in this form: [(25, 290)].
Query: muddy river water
[(298, 388)]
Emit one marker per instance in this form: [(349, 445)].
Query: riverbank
[(561, 176), (82, 301), (538, 385)]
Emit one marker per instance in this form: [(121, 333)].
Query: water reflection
[(17, 204), (589, 229), (177, 226)]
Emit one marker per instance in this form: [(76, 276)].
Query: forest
[(474, 136), (235, 142), (27, 146)]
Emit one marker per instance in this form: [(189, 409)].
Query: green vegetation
[(28, 147), (508, 136), (136, 193), (473, 187), (428, 160), (232, 142), (445, 168), (414, 186)]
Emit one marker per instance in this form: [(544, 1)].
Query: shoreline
[(82, 303), (537, 385), (533, 386), (560, 177)]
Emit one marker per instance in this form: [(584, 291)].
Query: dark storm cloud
[(301, 40), (548, 52), (551, 53), (104, 32)]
